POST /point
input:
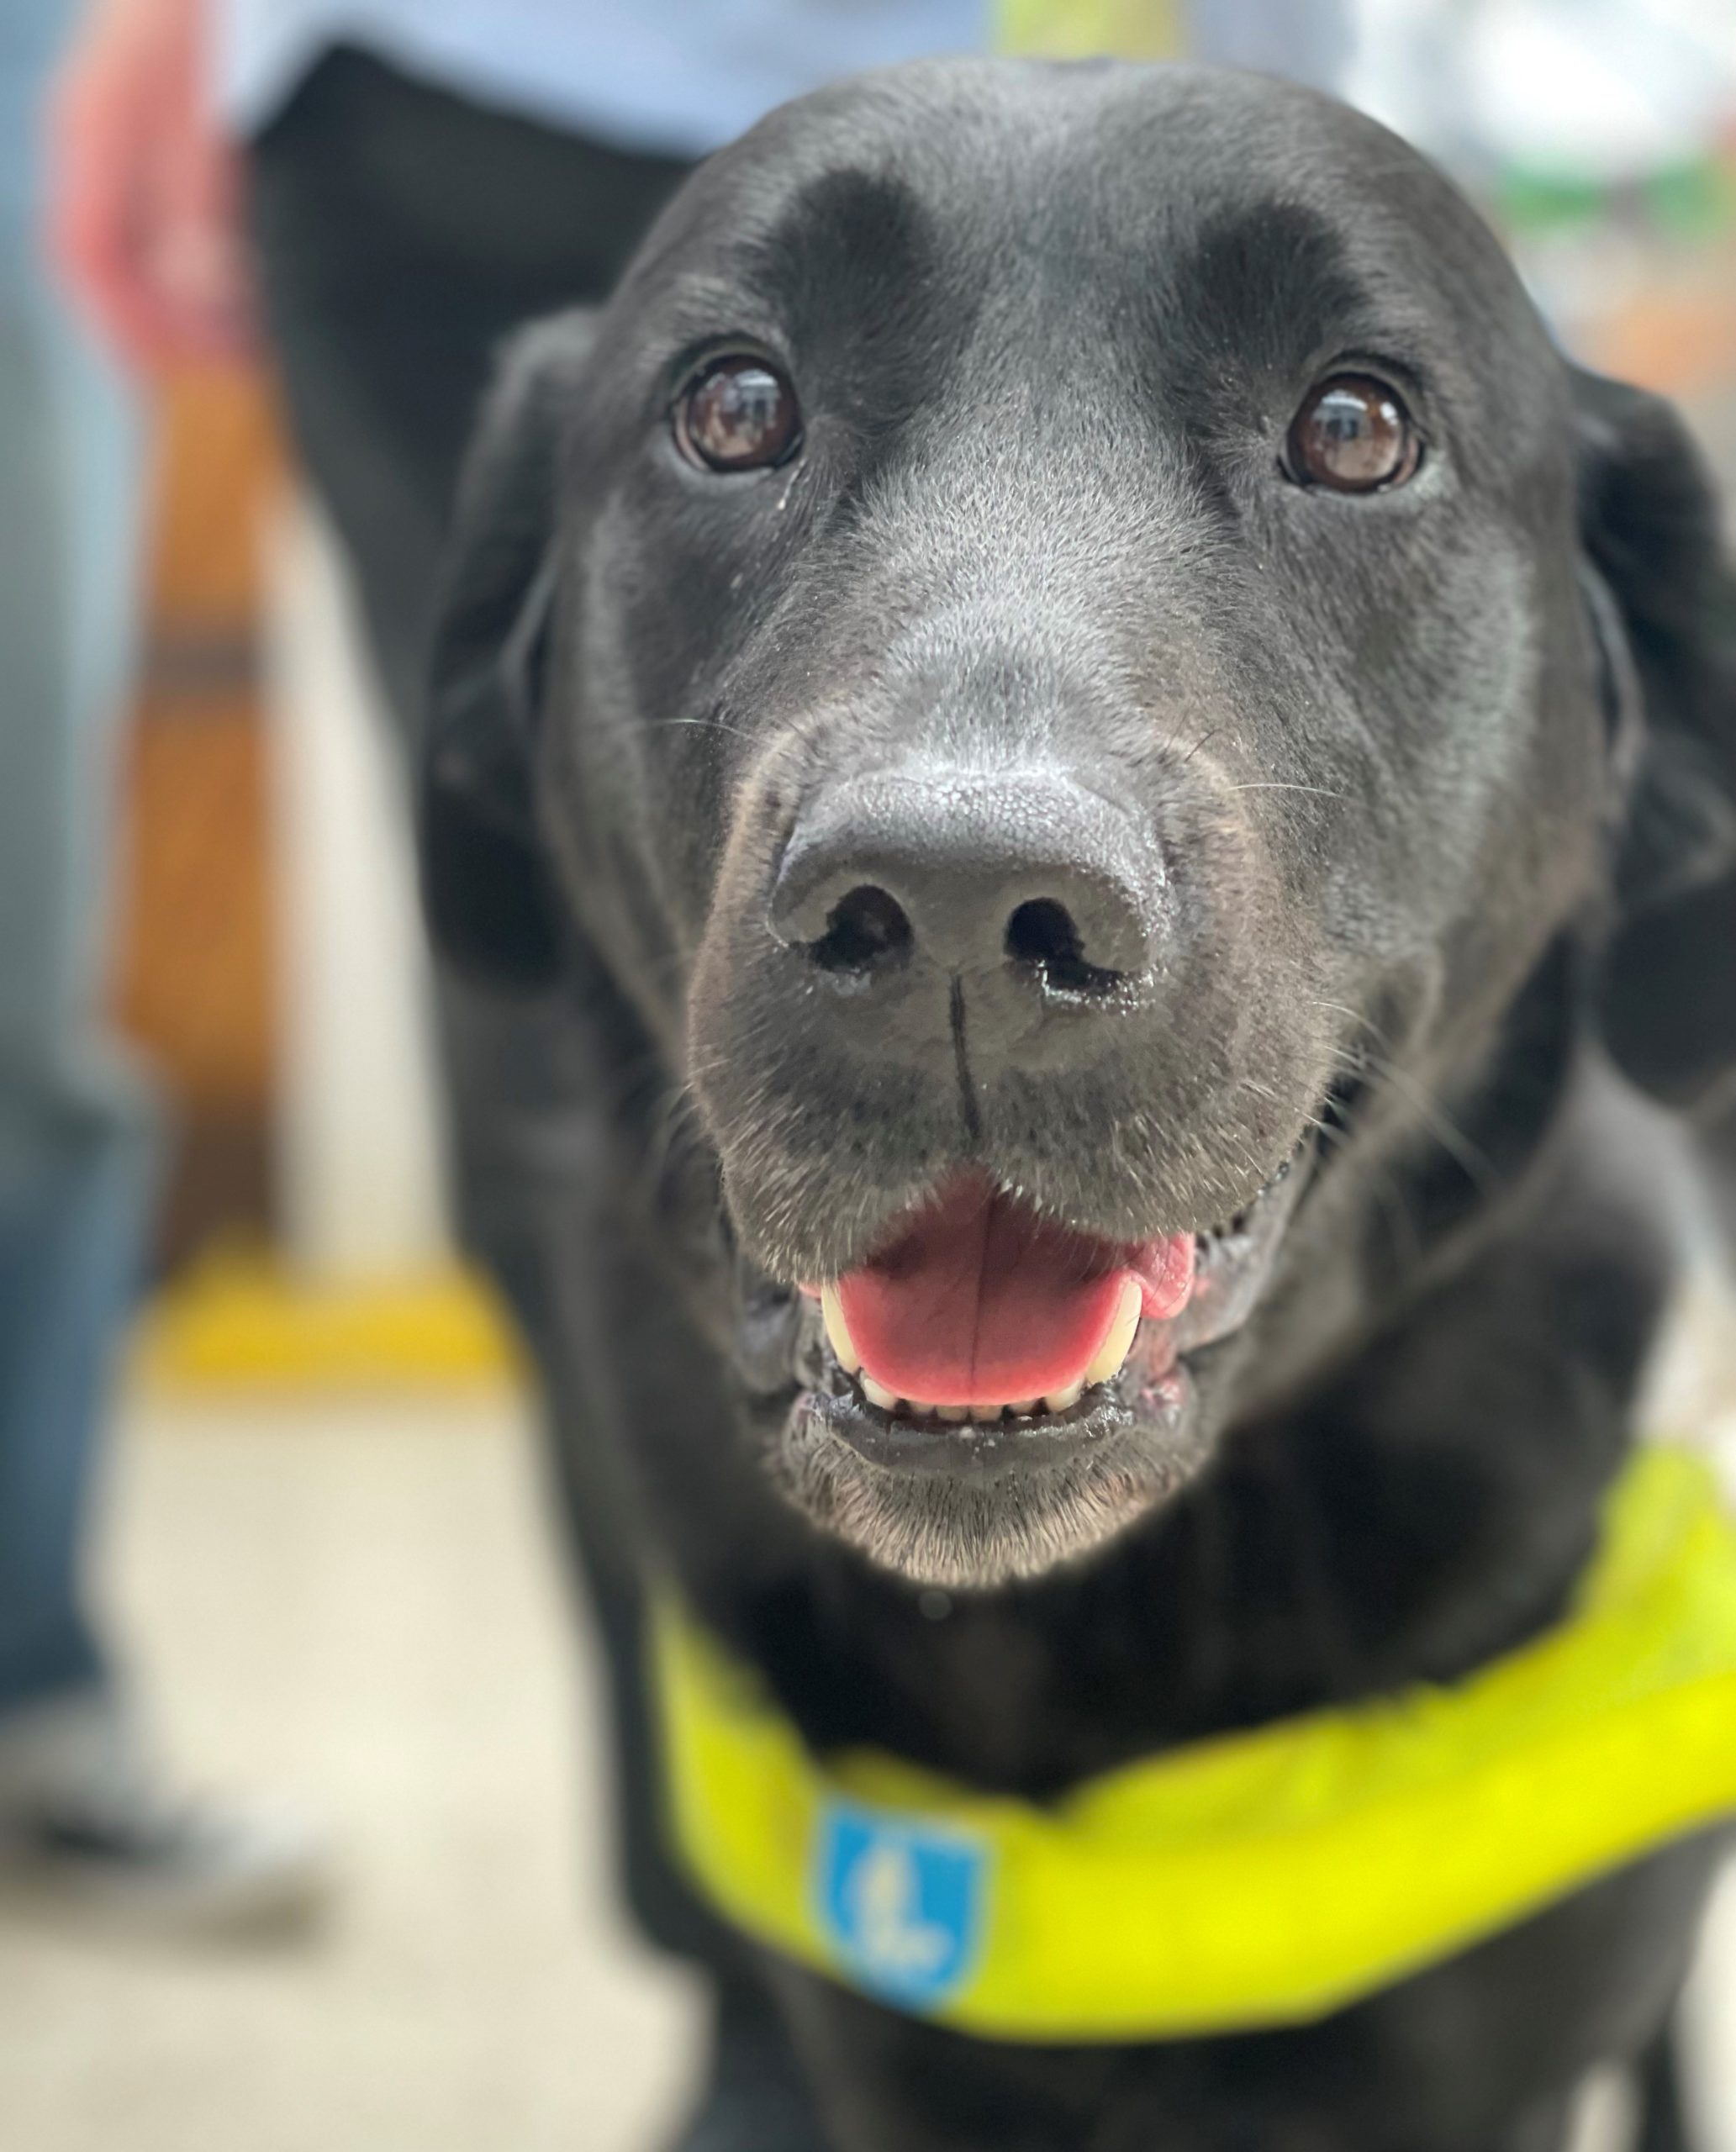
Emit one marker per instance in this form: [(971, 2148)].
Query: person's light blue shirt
[(682, 76), (675, 75)]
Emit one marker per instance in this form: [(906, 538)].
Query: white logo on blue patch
[(902, 1902)]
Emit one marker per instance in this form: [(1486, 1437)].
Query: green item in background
[(1077, 30)]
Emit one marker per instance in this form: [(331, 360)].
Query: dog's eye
[(737, 414), (1353, 435)]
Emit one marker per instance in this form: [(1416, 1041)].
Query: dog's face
[(1061, 636)]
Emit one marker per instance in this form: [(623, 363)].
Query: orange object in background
[(194, 930)]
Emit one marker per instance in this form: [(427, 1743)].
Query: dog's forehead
[(982, 170)]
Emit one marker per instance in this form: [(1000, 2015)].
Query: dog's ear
[(487, 888), (1662, 600)]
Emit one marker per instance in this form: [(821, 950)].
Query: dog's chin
[(970, 1503), (967, 1509)]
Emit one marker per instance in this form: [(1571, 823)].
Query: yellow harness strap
[(1261, 1879)]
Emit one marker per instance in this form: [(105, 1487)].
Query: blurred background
[(321, 1549)]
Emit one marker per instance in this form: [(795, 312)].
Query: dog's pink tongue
[(980, 1301)]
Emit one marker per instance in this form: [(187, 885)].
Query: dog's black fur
[(1442, 781)]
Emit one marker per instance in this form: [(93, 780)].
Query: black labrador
[(1112, 752)]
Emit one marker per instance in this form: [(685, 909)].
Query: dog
[(1130, 782)]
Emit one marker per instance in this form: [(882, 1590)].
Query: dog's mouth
[(980, 1326)]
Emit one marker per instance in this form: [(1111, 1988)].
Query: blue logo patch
[(902, 1902)]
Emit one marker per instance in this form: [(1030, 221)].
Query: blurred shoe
[(87, 1830)]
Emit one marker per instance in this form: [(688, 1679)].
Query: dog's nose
[(966, 874)]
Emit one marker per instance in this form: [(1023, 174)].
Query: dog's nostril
[(865, 928), (1042, 935)]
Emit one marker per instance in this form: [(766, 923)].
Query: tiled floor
[(359, 1601)]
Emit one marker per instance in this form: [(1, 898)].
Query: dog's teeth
[(837, 1331), (1115, 1349), (1022, 1408)]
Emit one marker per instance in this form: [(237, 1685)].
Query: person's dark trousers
[(402, 233)]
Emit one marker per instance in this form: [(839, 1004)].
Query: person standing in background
[(82, 1810), (422, 178)]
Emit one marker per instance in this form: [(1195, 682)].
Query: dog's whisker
[(700, 724), (1338, 1008), (1204, 741), (1452, 1138), (1274, 784)]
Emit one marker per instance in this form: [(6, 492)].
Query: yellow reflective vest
[(1262, 1878)]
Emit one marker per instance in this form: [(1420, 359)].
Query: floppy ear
[(487, 888), (1662, 598)]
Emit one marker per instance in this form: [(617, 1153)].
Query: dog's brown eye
[(739, 414), (1353, 435)]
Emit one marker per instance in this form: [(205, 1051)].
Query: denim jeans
[(76, 1143)]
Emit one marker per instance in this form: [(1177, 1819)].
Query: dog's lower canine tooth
[(876, 1395), (1114, 1350), (1025, 1407), (1063, 1401), (837, 1331)]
